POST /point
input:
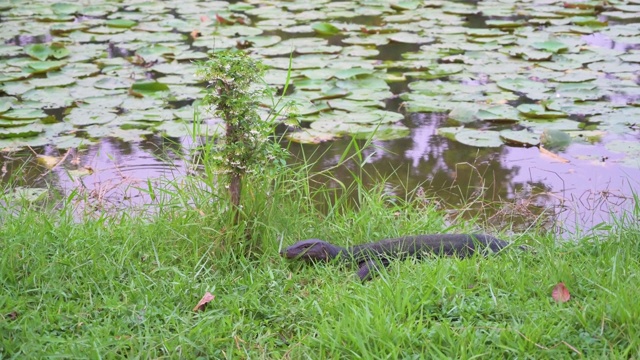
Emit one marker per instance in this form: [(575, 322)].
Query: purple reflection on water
[(603, 41)]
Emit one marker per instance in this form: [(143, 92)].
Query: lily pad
[(553, 46), (310, 136), (479, 138), (539, 111), (520, 138), (498, 113), (23, 114), (37, 67), (20, 131), (577, 77), (6, 102), (89, 116), (631, 150), (121, 23), (553, 139), (38, 51), (149, 87), (325, 29), (28, 194), (464, 113)]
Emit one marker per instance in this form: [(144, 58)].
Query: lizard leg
[(366, 267)]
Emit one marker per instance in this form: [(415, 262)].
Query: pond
[(535, 103)]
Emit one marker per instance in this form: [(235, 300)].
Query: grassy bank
[(125, 286)]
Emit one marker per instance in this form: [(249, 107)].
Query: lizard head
[(311, 250)]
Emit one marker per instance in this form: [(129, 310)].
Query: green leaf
[(552, 138), (112, 83), (21, 114), (631, 150), (38, 51), (21, 131), (28, 194), (65, 8), (310, 136), (121, 23), (6, 102), (551, 46), (58, 51), (520, 138), (479, 138), (539, 111), (83, 116), (498, 113), (352, 72), (464, 113), (405, 4), (149, 87), (37, 67), (325, 29)]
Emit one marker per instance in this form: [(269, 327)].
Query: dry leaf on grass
[(204, 301), (560, 293)]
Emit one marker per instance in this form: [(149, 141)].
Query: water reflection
[(580, 193)]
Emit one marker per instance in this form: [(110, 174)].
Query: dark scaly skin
[(371, 255)]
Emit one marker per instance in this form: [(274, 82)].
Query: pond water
[(456, 97)]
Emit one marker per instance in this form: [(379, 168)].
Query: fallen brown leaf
[(560, 293), (195, 34), (204, 301), (12, 315), (223, 20), (546, 152)]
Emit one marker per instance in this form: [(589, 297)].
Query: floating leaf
[(325, 29), (634, 58), (6, 102), (464, 113), (551, 46), (520, 138), (112, 83), (28, 194), (479, 138), (381, 132), (577, 77), (450, 132), (410, 38), (38, 51), (59, 51), (631, 150), (405, 4), (63, 8), (352, 72), (310, 136), (539, 111), (498, 113), (37, 67), (552, 138), (485, 32), (83, 116), (22, 114), (149, 87), (121, 23), (20, 131)]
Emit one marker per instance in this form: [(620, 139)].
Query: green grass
[(125, 286)]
